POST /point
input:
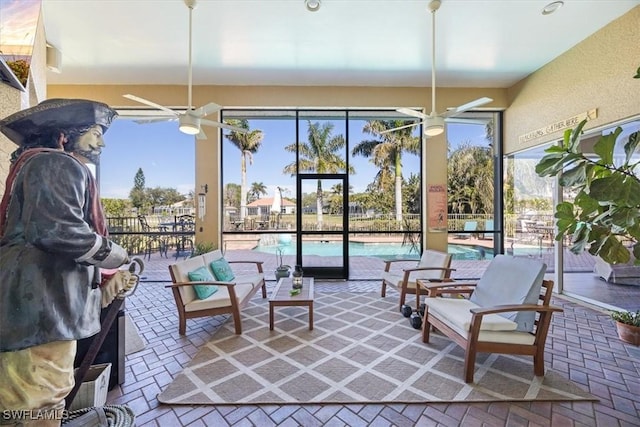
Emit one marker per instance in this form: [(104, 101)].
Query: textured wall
[(13, 100), (596, 73)]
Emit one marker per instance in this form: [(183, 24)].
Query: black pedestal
[(112, 349)]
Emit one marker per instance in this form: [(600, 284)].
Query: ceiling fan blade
[(222, 125), (145, 120), (413, 113), (205, 110), (467, 121), (149, 103), (398, 128), (201, 135), (468, 106)]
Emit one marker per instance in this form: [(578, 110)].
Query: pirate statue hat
[(54, 114)]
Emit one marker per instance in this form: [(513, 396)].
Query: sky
[(166, 156), (18, 21)]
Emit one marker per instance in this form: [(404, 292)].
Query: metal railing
[(162, 235)]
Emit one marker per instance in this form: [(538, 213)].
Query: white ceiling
[(480, 43)]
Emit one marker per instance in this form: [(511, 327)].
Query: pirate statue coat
[(53, 240)]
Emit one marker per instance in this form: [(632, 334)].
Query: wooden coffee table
[(281, 297)]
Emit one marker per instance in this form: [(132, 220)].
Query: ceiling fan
[(191, 120), (434, 123)]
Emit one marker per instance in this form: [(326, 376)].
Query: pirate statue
[(53, 242)]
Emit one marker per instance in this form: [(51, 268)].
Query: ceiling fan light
[(433, 126), (552, 7), (433, 130), (189, 124), (312, 5), (189, 129)]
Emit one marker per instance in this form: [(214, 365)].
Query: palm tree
[(386, 152), (470, 179), (248, 143), (257, 189), (321, 154)]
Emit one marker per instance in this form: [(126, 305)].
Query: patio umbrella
[(276, 206)]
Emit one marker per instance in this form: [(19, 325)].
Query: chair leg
[(538, 362), (403, 297), (264, 290), (384, 289), (182, 326), (426, 326), (237, 321), (469, 363)]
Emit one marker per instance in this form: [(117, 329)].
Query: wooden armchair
[(508, 312), (433, 265)]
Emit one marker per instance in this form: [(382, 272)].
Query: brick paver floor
[(582, 345)]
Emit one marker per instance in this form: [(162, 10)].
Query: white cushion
[(220, 298), (432, 258), (181, 274), (250, 279), (513, 337), (456, 312), (212, 256), (511, 280), (395, 280)]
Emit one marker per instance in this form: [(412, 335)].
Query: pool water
[(379, 250), (469, 252)]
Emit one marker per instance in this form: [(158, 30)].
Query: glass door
[(322, 243)]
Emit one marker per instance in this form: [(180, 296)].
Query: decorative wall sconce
[(202, 201)]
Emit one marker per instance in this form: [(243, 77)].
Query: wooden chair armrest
[(258, 264), (180, 284), (541, 330), (246, 262), (482, 311), (445, 284), (410, 270), (388, 262), (437, 287)]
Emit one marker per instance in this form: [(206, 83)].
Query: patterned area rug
[(133, 342), (361, 350)]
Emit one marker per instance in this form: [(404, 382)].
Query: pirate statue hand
[(119, 283)]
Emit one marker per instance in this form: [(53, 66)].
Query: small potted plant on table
[(283, 269)]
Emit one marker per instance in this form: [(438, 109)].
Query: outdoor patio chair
[(468, 226), (433, 265), (508, 312), (488, 229), (152, 242), (186, 226)]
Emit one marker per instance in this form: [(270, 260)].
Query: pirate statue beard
[(87, 143)]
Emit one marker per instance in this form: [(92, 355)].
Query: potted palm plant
[(202, 248), (628, 326)]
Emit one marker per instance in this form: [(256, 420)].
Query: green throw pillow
[(222, 270), (202, 275)]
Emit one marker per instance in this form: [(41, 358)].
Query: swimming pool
[(470, 252), (378, 250)]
